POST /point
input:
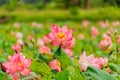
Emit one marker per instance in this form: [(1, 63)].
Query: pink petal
[(91, 57), (83, 55), (55, 43), (69, 35), (16, 76), (50, 36), (26, 72), (55, 28), (28, 62), (64, 28)]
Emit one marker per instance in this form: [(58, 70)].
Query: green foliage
[(2, 75), (63, 75), (98, 74), (64, 58), (11, 4), (114, 67), (74, 73), (41, 68), (70, 68), (67, 63), (58, 15)]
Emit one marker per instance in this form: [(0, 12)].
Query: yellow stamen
[(58, 63), (20, 64), (45, 51), (61, 35)]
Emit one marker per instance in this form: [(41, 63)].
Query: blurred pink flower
[(16, 48), (68, 51), (34, 23), (19, 35), (104, 61), (31, 38), (81, 36), (85, 61), (72, 43), (20, 42), (104, 24), (61, 36), (40, 42), (85, 23), (38, 25), (116, 23), (94, 31), (12, 33), (16, 25), (45, 40), (16, 65), (118, 40), (108, 70), (55, 65), (105, 43), (44, 49)]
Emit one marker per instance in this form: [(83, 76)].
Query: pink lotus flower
[(104, 24), (118, 40), (85, 61), (60, 37), (108, 70), (55, 65), (31, 38), (44, 49), (20, 42), (105, 43), (45, 40), (34, 23), (104, 61), (16, 48), (19, 35), (85, 23), (12, 33), (81, 36), (16, 25), (40, 42), (94, 31), (17, 65), (38, 25), (116, 23), (68, 51)]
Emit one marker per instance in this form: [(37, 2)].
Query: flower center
[(58, 63), (45, 51), (20, 64), (61, 35)]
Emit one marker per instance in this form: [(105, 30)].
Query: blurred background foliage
[(40, 4), (76, 10)]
